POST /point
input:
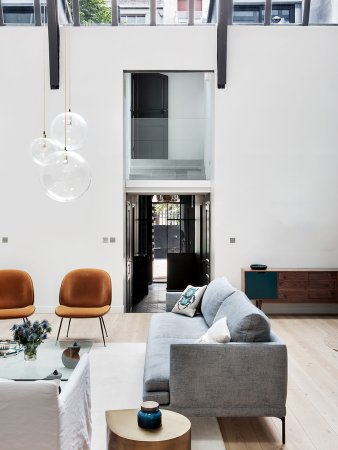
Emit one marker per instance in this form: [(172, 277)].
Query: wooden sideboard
[(291, 285)]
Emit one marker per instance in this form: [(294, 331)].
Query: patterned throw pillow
[(189, 301)]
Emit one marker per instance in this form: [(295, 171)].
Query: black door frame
[(205, 239), (141, 111)]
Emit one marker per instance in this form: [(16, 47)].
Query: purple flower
[(31, 334)]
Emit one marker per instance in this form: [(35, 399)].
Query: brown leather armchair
[(85, 293), (16, 294)]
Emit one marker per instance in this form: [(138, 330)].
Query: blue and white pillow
[(189, 300)]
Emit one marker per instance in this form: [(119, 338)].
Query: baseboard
[(300, 308), (51, 309)]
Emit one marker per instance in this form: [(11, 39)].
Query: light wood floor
[(312, 405)]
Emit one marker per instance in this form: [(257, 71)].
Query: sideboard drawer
[(322, 285), (293, 286), (261, 285)]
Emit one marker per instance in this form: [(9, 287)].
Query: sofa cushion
[(162, 397), (246, 322), (157, 363), (215, 294), (218, 333), (189, 301), (170, 325), (166, 329)]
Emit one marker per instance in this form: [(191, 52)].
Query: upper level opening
[(168, 125)]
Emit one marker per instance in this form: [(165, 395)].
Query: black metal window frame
[(180, 220)]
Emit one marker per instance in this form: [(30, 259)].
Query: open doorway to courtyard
[(168, 247)]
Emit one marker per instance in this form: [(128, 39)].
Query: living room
[(272, 189)]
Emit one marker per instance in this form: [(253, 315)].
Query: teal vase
[(149, 416)]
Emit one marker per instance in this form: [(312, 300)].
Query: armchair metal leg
[(59, 330), (68, 326), (104, 326), (104, 342), (283, 429)]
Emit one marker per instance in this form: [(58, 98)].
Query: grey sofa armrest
[(235, 379), (171, 299)]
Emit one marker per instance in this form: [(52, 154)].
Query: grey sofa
[(245, 377)]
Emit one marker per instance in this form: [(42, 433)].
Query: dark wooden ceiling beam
[(76, 13), (152, 12), (268, 10), (306, 12), (191, 12), (114, 13), (2, 23), (54, 44), (37, 13), (224, 20)]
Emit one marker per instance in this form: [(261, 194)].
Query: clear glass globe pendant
[(41, 149), (69, 130), (66, 177)]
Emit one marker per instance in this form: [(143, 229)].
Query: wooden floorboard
[(312, 404)]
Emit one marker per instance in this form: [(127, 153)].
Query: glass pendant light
[(75, 127), (41, 149), (66, 177)]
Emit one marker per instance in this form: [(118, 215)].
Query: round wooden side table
[(123, 432)]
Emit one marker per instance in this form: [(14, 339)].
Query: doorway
[(173, 230), (168, 247), (149, 113)]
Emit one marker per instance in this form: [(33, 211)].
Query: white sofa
[(34, 416)]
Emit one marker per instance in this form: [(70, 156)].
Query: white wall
[(275, 186), (186, 112), (276, 160), (47, 238)]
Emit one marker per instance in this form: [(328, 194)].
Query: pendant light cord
[(44, 72), (69, 67), (66, 31)]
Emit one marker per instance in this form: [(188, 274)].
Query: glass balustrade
[(168, 149)]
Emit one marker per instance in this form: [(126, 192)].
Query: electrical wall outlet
[(109, 240)]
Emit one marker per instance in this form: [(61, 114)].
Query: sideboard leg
[(259, 303)]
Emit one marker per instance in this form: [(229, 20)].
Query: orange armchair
[(16, 294), (85, 293)]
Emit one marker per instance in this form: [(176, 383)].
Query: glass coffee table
[(49, 354)]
